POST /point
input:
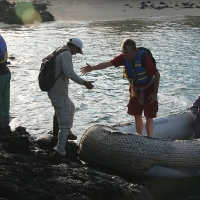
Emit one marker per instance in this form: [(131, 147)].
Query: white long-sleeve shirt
[(64, 63)]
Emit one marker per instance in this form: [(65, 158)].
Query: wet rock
[(17, 13), (26, 172), (40, 7), (143, 5), (46, 16), (11, 57), (162, 3), (4, 5)]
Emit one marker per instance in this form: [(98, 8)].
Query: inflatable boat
[(176, 127), (169, 153)]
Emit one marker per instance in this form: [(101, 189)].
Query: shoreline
[(99, 17), (111, 10), (4, 25), (92, 10)]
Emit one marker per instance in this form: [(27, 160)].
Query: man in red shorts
[(144, 79)]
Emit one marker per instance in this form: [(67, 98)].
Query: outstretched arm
[(69, 72), (100, 66)]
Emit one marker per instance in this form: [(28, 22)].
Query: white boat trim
[(176, 127)]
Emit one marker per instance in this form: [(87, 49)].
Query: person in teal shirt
[(5, 76)]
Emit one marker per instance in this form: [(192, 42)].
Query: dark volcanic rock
[(24, 13), (28, 173), (4, 5), (46, 16)]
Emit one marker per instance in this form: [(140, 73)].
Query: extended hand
[(86, 69), (88, 84)]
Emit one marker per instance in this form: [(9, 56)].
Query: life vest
[(134, 71), (3, 51)]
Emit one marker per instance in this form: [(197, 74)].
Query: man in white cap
[(58, 95)]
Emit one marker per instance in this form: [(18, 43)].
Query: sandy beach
[(92, 10), (118, 9)]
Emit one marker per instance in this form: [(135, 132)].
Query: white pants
[(64, 108)]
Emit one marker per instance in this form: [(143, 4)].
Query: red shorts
[(136, 109)]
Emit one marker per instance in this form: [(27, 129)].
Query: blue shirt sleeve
[(3, 50)]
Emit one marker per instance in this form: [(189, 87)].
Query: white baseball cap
[(77, 42)]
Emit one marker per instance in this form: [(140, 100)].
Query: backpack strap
[(147, 52), (56, 53), (58, 76)]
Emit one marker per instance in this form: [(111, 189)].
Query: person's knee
[(64, 131), (64, 121), (148, 119), (138, 118)]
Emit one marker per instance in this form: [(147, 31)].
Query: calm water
[(174, 43)]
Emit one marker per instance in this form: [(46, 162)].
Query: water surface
[(174, 42)]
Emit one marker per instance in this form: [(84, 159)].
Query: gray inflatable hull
[(177, 127), (135, 155)]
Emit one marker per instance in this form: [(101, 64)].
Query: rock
[(9, 15), (4, 5), (40, 7), (162, 3), (143, 5), (26, 172), (46, 16), (11, 57)]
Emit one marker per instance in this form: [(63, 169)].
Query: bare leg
[(139, 124), (149, 126)]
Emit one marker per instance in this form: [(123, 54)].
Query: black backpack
[(46, 77), (146, 52)]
